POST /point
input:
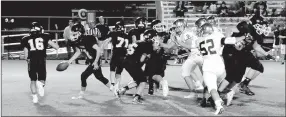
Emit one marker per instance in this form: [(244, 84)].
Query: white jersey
[(210, 48), (188, 37)]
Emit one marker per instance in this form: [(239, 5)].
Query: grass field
[(99, 101)]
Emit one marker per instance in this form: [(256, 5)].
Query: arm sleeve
[(228, 41), (24, 42)]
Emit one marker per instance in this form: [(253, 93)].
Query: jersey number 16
[(38, 45)]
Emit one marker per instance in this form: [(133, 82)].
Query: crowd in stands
[(222, 9)]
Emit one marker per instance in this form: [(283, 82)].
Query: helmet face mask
[(119, 27), (140, 22), (36, 29), (206, 29), (160, 27), (76, 32), (75, 35)]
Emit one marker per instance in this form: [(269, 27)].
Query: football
[(62, 66)]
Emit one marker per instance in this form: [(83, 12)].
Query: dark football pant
[(97, 73), (37, 69), (236, 66), (116, 63), (134, 69), (156, 65)]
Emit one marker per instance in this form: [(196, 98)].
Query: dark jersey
[(104, 29), (165, 36), (277, 39), (87, 43), (283, 33), (137, 32), (36, 45), (134, 52), (119, 42), (230, 49)]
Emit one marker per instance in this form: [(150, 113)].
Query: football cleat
[(137, 100), (245, 89), (219, 108), (80, 96), (35, 98), (121, 91)]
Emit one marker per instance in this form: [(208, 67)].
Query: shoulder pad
[(188, 35)]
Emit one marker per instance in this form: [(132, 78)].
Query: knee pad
[(260, 68)]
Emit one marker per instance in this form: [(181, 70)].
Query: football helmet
[(211, 20), (149, 35), (200, 22), (158, 26), (206, 29), (140, 22), (36, 29), (77, 31), (243, 27), (119, 27), (180, 25)]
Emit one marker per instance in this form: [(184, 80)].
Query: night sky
[(56, 8)]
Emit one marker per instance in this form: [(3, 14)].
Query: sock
[(218, 102), (126, 87), (81, 92), (246, 81), (34, 95)]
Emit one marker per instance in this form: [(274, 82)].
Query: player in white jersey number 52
[(210, 44)]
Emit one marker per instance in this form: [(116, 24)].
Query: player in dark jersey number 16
[(35, 46), (93, 52)]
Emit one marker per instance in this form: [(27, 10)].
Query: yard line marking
[(180, 108)]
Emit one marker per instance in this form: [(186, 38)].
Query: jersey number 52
[(207, 51), (38, 45)]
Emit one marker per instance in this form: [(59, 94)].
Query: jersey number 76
[(206, 51)]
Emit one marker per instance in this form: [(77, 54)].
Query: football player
[(156, 64), (237, 60), (256, 67), (93, 52), (136, 34), (35, 46), (120, 43), (136, 54), (185, 38), (210, 44)]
